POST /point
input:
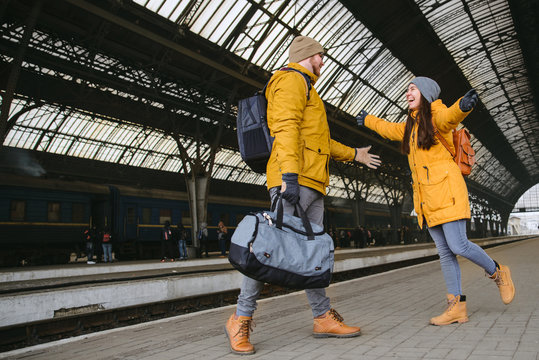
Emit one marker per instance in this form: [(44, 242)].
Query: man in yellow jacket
[(299, 170)]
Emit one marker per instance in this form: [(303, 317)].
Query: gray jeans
[(313, 203)]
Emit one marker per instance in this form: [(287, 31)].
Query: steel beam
[(116, 20)]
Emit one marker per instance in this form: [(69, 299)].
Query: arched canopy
[(162, 54)]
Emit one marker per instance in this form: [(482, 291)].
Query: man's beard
[(316, 67)]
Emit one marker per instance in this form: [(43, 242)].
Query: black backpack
[(254, 139)]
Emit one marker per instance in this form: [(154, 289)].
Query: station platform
[(393, 309), (43, 293)]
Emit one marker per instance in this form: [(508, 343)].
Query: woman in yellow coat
[(440, 193)]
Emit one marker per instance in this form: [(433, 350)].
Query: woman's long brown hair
[(425, 132)]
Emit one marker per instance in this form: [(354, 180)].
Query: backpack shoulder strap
[(443, 141), (305, 76)]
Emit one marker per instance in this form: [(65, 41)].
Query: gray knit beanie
[(428, 87), (303, 47)]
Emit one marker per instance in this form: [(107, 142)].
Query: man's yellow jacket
[(302, 144)]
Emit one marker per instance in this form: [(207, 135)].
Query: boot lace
[(245, 328), (451, 303), (497, 277), (335, 315)]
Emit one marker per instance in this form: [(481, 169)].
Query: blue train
[(42, 220)]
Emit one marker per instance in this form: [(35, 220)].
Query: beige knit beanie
[(303, 47)]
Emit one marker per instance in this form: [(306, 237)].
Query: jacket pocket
[(435, 189), (315, 161)]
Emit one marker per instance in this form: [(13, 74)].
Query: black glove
[(291, 191), (361, 118), (469, 100)]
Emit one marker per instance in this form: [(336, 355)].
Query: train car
[(142, 213), (42, 223), (42, 220)]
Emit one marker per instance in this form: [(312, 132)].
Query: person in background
[(342, 239), (107, 245), (203, 238), (181, 235), (90, 235), (439, 191), (332, 236), (359, 237), (222, 235), (298, 170), (166, 243), (371, 241)]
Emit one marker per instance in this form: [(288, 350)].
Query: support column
[(478, 227), (396, 223), (197, 190), (359, 211)]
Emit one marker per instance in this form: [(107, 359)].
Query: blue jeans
[(90, 250), (107, 252), (183, 249), (451, 240), (222, 245), (313, 203)]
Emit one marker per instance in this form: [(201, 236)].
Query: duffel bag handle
[(304, 219)]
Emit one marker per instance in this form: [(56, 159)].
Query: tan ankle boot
[(455, 312), (237, 332), (502, 277), (331, 325)]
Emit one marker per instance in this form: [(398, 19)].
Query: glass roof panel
[(488, 52), (359, 73), (264, 41), (102, 139)]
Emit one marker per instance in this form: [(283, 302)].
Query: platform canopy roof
[(137, 62)]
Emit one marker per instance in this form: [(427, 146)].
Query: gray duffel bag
[(282, 249)]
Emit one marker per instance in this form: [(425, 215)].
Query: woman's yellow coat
[(440, 193)]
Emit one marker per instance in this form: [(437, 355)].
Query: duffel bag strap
[(274, 202), (304, 219)]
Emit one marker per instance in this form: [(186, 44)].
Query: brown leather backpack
[(464, 154)]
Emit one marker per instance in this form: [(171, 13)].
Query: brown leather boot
[(237, 332), (502, 277), (455, 312), (331, 325)]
